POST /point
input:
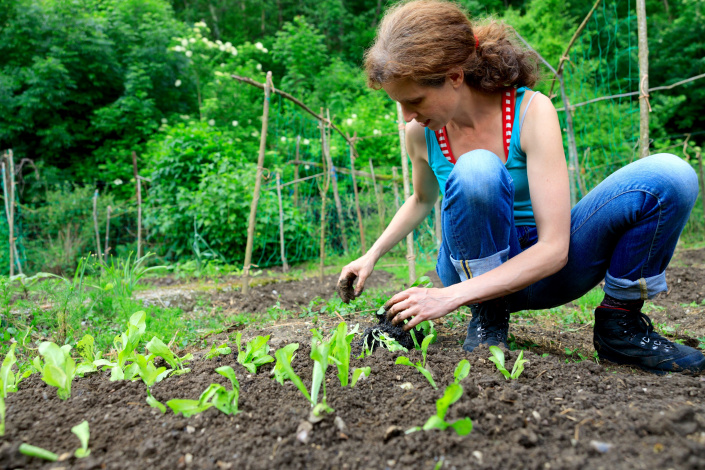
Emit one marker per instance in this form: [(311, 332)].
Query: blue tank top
[(516, 165)]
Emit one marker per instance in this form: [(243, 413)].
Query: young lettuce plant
[(9, 379), (215, 395), (91, 359), (498, 359), (256, 352), (462, 370), (319, 353), (420, 366), (158, 348), (340, 348), (58, 369), (150, 375), (2, 411), (38, 452), (358, 373), (222, 350), (288, 353), (388, 342), (125, 345), (452, 393), (83, 433)]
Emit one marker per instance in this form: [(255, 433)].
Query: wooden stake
[(644, 106), (285, 265), (258, 183), (411, 258), (437, 221), (357, 200), (395, 188), (98, 253), (572, 148), (380, 212), (336, 194), (702, 180), (138, 186), (107, 235), (296, 172), (6, 191), (324, 193)]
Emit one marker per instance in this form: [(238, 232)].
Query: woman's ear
[(456, 77)]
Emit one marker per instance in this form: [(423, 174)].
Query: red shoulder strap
[(508, 103)]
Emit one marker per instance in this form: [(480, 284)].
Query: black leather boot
[(489, 324)]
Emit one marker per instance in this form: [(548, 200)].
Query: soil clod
[(345, 288)]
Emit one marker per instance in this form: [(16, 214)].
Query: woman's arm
[(548, 183), (410, 214)]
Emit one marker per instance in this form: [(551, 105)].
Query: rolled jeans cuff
[(641, 289), (470, 268)]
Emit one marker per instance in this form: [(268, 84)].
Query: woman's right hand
[(359, 269)]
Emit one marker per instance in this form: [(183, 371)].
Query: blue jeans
[(623, 231)]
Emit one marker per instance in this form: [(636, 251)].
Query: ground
[(564, 411)]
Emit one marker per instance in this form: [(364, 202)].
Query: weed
[(498, 359), (575, 355)]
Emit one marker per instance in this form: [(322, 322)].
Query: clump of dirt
[(371, 336), (345, 288)]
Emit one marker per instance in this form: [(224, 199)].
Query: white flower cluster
[(185, 44), (259, 46)]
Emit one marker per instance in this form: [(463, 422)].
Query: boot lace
[(641, 325)]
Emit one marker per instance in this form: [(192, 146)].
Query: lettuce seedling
[(83, 433), (461, 371), (319, 353), (278, 371), (58, 369), (158, 348), (387, 341), (498, 359), (215, 395), (2, 411), (10, 380), (452, 393), (256, 352), (360, 372), (38, 452), (284, 362), (222, 350), (91, 359), (128, 340), (340, 344), (420, 366)]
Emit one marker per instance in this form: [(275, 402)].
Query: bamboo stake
[(364, 174), (138, 185), (258, 183), (380, 214), (702, 180), (410, 257), (644, 106), (107, 235), (357, 201), (573, 166), (336, 194), (395, 188), (437, 221), (99, 254), (6, 191), (285, 265), (324, 194), (296, 172), (13, 245)]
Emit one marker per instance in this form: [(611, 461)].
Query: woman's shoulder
[(416, 140)]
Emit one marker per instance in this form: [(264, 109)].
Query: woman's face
[(430, 106)]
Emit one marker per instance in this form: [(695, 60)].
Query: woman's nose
[(407, 113)]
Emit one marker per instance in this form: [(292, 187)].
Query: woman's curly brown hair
[(424, 39)]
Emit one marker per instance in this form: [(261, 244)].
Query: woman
[(510, 239)]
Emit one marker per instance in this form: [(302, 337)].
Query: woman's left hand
[(418, 304)]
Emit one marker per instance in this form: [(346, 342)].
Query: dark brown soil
[(559, 414)]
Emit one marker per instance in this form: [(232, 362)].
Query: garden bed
[(559, 413)]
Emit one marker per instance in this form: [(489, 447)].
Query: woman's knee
[(675, 177), (479, 175)]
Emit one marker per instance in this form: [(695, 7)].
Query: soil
[(559, 414)]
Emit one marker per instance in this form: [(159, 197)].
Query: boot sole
[(693, 370)]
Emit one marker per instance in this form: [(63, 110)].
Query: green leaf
[(187, 407), (359, 372), (435, 422), (462, 370), (86, 348), (427, 373), (38, 452), (290, 374), (2, 411), (452, 393), (518, 366), (403, 360), (423, 281), (462, 426), (424, 347), (7, 377), (497, 356), (154, 403), (82, 431), (228, 372), (277, 370)]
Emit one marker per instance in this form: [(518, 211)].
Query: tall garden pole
[(395, 187), (380, 209), (296, 172), (437, 221), (98, 253), (357, 198), (285, 265), (107, 235), (138, 186), (644, 106), (411, 258), (324, 194), (6, 191), (573, 164), (336, 194), (258, 184)]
